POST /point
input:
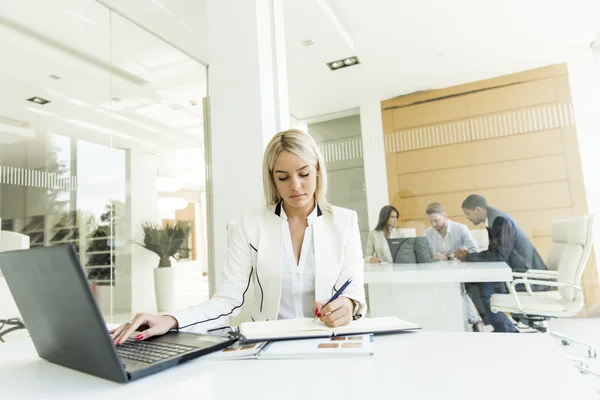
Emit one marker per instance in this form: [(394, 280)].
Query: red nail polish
[(319, 315), (316, 311), (139, 337)]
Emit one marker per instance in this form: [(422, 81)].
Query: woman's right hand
[(375, 260), (157, 325)]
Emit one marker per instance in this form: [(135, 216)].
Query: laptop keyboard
[(150, 352)]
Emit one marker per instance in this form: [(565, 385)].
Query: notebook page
[(301, 327), (374, 325)]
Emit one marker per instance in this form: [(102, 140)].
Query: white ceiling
[(119, 84), (406, 46)]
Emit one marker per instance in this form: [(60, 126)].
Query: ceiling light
[(345, 62), (55, 77), (38, 100), (308, 42)]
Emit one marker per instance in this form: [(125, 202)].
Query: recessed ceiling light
[(55, 77), (345, 62), (38, 100), (308, 42)]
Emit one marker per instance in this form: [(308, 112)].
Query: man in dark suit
[(508, 243)]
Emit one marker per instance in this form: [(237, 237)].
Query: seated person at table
[(275, 250), (445, 237), (508, 243), (378, 249)]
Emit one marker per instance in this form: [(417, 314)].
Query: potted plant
[(165, 242)]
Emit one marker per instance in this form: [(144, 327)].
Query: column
[(248, 105), (374, 158)]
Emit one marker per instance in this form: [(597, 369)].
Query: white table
[(416, 366), (428, 294)]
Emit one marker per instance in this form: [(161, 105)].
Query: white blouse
[(298, 280)]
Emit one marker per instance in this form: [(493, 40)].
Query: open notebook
[(330, 347), (306, 328)]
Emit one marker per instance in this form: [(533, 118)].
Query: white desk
[(416, 366), (428, 294)]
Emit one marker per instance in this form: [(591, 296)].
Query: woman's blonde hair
[(304, 146)]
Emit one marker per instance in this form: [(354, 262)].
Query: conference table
[(417, 366), (428, 294)]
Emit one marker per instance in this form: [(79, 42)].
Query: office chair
[(481, 238), (572, 240)]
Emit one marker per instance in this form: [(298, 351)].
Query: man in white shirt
[(445, 237)]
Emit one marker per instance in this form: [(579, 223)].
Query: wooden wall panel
[(509, 199), (431, 113), (521, 172), (498, 175), (525, 76), (434, 158), (517, 147), (440, 181), (512, 97)]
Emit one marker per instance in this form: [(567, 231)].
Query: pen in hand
[(336, 295)]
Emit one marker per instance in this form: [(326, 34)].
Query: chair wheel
[(565, 342), (592, 353)]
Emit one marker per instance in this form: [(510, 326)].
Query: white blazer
[(256, 258)]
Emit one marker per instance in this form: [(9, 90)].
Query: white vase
[(165, 288)]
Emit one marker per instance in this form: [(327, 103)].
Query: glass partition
[(101, 131)]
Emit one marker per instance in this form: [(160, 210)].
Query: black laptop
[(54, 298)]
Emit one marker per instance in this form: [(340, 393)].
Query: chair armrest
[(527, 282), (536, 275)]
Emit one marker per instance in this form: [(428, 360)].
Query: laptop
[(56, 303), (410, 250)]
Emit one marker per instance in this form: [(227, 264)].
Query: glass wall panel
[(101, 130)]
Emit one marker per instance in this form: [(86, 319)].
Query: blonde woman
[(296, 252)]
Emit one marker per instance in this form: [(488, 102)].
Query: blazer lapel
[(269, 266)]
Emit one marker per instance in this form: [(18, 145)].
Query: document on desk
[(331, 347), (306, 328)]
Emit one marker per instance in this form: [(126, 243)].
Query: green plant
[(164, 241)]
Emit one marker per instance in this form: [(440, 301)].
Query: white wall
[(584, 81)]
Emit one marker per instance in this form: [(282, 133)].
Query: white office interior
[(118, 113)]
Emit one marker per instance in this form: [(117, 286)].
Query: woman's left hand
[(337, 313)]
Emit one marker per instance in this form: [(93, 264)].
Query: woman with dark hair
[(378, 249)]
